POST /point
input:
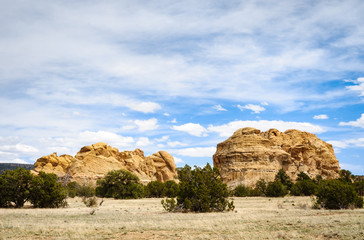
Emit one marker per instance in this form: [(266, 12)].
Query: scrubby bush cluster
[(74, 189), (200, 190), (158, 189), (119, 184), (19, 185), (344, 192)]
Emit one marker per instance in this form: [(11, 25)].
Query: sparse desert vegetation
[(253, 218)]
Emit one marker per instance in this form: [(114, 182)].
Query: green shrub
[(284, 179), (276, 189), (90, 201), (304, 188), (346, 176), (155, 189), (120, 184), (172, 189), (201, 190), (261, 186), (243, 191), (302, 176), (46, 192), (337, 194), (359, 187), (74, 189), (14, 187)]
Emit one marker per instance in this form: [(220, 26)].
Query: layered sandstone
[(249, 155), (93, 162)]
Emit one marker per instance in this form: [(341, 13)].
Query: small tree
[(14, 187), (337, 194), (346, 176), (201, 190), (46, 192), (276, 189), (284, 179), (261, 186), (302, 176), (304, 188), (119, 184)]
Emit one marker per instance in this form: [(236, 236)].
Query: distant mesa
[(249, 155), (94, 161)]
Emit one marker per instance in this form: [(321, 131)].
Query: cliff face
[(249, 155), (93, 162)]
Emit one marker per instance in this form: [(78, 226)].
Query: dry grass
[(254, 218)]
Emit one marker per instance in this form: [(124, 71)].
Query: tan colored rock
[(93, 162), (249, 155)]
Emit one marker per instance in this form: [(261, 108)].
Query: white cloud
[(252, 107), (15, 160), (147, 125), (113, 139), (359, 87), (19, 148), (321, 116), (348, 143), (145, 107), (162, 139), (143, 141), (178, 160), (358, 123), (354, 168), (193, 129), (219, 108), (196, 151), (176, 144), (226, 130)]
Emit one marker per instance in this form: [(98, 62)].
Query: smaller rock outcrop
[(94, 161)]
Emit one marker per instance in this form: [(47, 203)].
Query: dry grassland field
[(253, 218)]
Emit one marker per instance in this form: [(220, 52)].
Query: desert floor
[(253, 218)]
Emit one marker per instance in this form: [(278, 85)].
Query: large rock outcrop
[(249, 155), (93, 162)]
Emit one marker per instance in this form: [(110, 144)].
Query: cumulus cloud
[(348, 143), (357, 123), (252, 107), (196, 152), (178, 160), (113, 139), (19, 148), (147, 125), (359, 87), (143, 141), (176, 144), (219, 108), (321, 116), (193, 129), (226, 130)]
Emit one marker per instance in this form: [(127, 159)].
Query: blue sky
[(179, 76)]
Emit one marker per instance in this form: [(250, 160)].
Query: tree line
[(198, 189)]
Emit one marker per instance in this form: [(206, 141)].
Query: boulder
[(94, 161), (249, 155)]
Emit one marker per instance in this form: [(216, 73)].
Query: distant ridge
[(12, 166)]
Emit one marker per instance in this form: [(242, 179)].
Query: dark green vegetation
[(13, 166), (46, 192), (19, 185), (74, 189), (158, 189), (344, 192), (200, 190), (120, 184)]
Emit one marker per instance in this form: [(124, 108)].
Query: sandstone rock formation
[(249, 155), (93, 162)]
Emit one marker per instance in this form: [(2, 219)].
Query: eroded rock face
[(249, 155), (93, 162)]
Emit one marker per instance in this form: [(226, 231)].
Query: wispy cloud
[(252, 107), (357, 123), (194, 129), (219, 108), (321, 117)]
